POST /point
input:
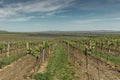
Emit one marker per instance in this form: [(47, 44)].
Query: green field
[(60, 56)]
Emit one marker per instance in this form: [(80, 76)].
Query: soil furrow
[(19, 70)]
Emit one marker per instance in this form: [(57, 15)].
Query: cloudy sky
[(62, 15)]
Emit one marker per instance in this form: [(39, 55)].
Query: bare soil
[(43, 67), (112, 51), (18, 70), (97, 69), (11, 53)]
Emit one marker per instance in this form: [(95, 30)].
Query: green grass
[(9, 60), (108, 57), (58, 67), (115, 60)]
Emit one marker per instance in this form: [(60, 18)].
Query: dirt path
[(19, 70), (12, 53), (43, 67), (97, 70), (106, 72), (112, 51)]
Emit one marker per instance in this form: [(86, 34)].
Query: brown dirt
[(19, 70), (43, 67), (97, 70), (12, 53), (112, 51)]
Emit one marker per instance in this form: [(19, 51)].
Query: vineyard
[(61, 59)]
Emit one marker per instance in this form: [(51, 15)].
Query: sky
[(59, 15)]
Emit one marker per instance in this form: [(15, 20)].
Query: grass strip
[(9, 60), (108, 57), (58, 67)]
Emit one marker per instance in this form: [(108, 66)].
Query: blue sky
[(60, 15)]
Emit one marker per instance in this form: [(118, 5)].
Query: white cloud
[(98, 20), (6, 12), (100, 5), (86, 21), (1, 1), (54, 12), (116, 18), (17, 19), (21, 19), (45, 6)]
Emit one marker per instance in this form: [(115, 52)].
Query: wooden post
[(68, 54), (43, 56), (49, 50), (8, 50), (109, 51), (98, 67), (27, 45)]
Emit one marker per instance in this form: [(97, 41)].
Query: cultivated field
[(36, 56)]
